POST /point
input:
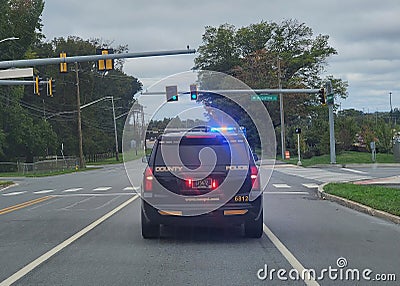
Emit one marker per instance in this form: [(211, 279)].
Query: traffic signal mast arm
[(89, 58)]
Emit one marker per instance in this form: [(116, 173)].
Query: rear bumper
[(228, 214)]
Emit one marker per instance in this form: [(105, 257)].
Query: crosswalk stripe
[(286, 193), (99, 189), (281, 186), (310, 186), (14, 193), (72, 190), (43, 192)]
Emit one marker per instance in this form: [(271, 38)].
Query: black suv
[(206, 177)]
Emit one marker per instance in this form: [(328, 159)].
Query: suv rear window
[(189, 150)]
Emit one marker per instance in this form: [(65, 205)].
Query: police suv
[(204, 176)]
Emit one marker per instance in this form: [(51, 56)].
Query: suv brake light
[(148, 179)]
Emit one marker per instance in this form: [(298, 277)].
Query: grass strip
[(378, 197)]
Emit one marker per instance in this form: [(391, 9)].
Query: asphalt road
[(71, 238)]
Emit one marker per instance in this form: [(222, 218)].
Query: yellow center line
[(24, 205)]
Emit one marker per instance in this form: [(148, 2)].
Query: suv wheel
[(149, 230), (253, 228)]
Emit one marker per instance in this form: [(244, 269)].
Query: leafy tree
[(252, 54), (97, 119)]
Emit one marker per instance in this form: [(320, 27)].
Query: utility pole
[(78, 105), (115, 130), (281, 111)]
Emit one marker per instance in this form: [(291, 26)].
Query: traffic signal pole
[(89, 58)]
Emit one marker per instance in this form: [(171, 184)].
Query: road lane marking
[(281, 186), (28, 268), (288, 255), (102, 189), (311, 186), (14, 193), (24, 205), (72, 190), (43, 192), (286, 193), (354, 171)]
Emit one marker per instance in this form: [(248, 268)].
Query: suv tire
[(253, 228), (149, 230)]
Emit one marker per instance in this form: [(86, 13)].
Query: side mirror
[(145, 159)]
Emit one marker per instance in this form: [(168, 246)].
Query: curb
[(357, 206), (8, 187)]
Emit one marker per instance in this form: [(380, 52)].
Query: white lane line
[(311, 186), (289, 257), (43, 192), (102, 189), (354, 171), (72, 190), (135, 189), (28, 268), (286, 193), (14, 193), (281, 186)]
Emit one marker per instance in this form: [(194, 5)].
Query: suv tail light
[(189, 183), (148, 179), (253, 175), (214, 184)]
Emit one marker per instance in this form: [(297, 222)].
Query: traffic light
[(51, 87), (172, 93), (105, 65), (37, 85), (63, 66), (193, 92), (322, 96)]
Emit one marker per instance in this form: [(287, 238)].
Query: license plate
[(202, 184)]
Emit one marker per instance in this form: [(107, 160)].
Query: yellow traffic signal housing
[(63, 66), (105, 65), (36, 85), (51, 87)]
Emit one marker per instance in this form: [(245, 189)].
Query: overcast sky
[(366, 34)]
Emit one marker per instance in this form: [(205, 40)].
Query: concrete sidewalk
[(395, 180)]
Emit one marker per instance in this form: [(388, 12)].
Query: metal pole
[(281, 111), (298, 150), (89, 58), (332, 134), (78, 104), (115, 130)]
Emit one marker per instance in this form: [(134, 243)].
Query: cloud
[(365, 33)]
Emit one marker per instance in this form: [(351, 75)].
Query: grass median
[(5, 184), (378, 197)]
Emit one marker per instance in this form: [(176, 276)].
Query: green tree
[(252, 53)]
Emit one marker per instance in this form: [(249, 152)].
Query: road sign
[(264, 97), (16, 73)]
